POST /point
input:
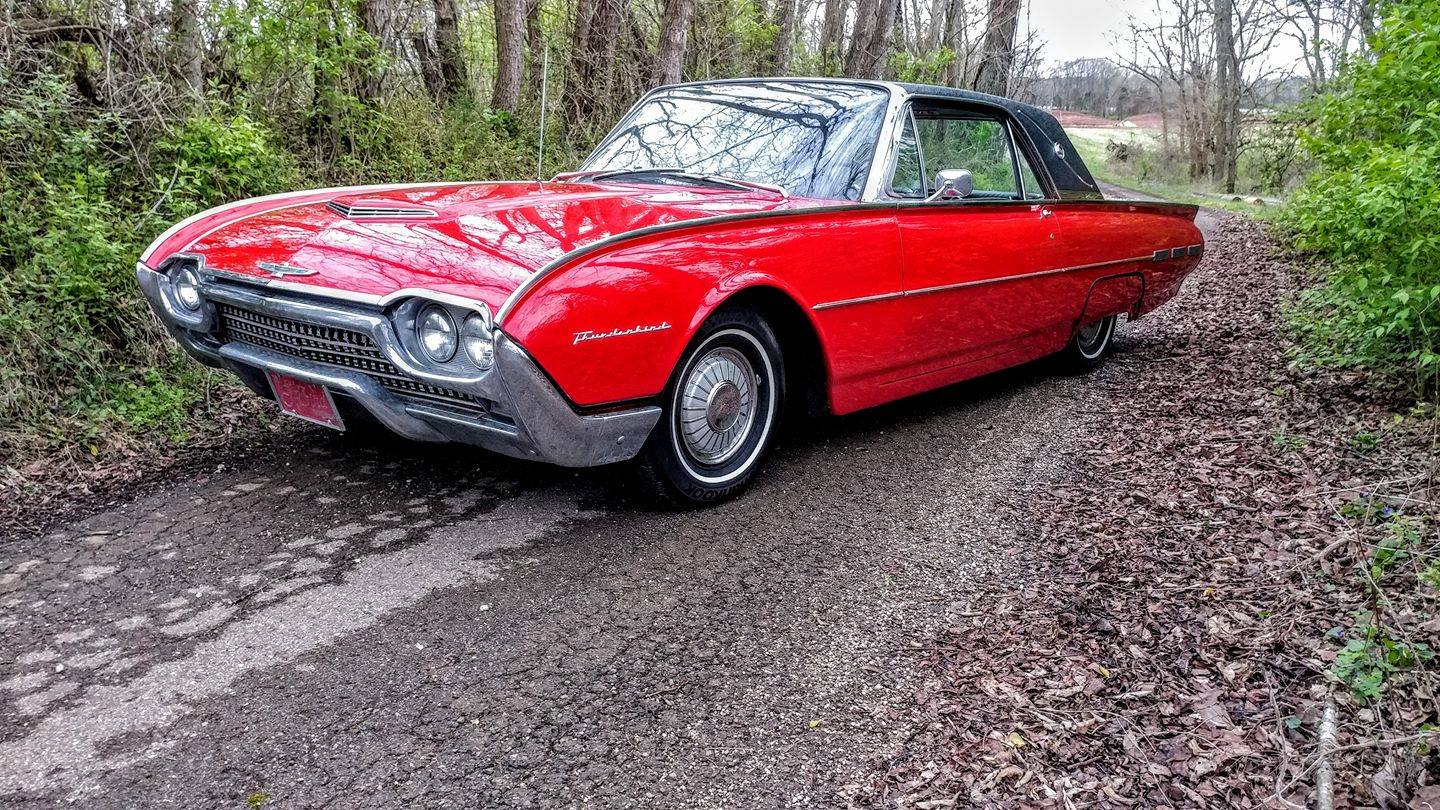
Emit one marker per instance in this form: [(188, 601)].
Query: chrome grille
[(340, 348)]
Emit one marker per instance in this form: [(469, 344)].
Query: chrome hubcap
[(717, 405)]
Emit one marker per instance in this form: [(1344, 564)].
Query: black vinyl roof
[(1052, 146), (1072, 179)]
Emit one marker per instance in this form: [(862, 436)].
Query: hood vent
[(379, 209)]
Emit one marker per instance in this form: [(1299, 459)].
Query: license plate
[(306, 400)]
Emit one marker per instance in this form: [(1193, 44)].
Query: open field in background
[(1141, 163)]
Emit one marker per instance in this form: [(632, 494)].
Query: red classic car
[(731, 247)]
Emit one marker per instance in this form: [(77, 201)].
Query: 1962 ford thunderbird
[(729, 247)]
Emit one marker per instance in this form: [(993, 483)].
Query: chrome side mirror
[(951, 184)]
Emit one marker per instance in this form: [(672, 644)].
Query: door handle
[(1046, 212)]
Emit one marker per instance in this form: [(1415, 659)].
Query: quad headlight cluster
[(447, 335), (440, 340)]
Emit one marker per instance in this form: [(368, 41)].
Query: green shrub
[(1271, 160), (83, 364), (1372, 207), (213, 159), (926, 68), (1371, 655)]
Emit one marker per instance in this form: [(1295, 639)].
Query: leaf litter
[(1196, 574)]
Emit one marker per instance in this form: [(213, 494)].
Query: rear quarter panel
[(664, 286), (1095, 232)]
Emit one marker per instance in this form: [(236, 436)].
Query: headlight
[(187, 289), (436, 331), (479, 341)]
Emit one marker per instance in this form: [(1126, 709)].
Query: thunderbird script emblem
[(282, 270), (581, 337)]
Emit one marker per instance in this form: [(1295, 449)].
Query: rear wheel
[(721, 410), (1088, 348)]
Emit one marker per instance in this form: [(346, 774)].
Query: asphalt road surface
[(352, 625)]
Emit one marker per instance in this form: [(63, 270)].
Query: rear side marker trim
[(1178, 253)]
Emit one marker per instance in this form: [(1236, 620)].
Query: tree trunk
[(578, 95), (997, 54), (1226, 98), (885, 36), (674, 30), (534, 47), (429, 60), (870, 43), (509, 53), (603, 47), (450, 52), (958, 69), (831, 31), (189, 47), (784, 37), (590, 75), (369, 83), (866, 13), (935, 30)]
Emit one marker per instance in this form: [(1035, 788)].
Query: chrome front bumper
[(525, 417)]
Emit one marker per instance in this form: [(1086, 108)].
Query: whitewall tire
[(721, 411)]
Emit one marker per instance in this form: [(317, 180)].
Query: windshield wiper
[(681, 174)]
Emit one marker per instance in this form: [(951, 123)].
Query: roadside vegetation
[(95, 164), (1370, 209)]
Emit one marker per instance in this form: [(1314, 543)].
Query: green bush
[(1371, 208), (209, 160), (83, 364), (1270, 160)]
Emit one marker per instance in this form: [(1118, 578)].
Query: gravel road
[(333, 623)]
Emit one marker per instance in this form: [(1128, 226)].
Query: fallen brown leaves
[(1194, 578)]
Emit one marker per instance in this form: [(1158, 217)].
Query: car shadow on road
[(611, 488)]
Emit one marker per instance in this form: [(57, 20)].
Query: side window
[(953, 140), (909, 179), (1031, 181)]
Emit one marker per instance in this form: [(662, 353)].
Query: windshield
[(813, 139)]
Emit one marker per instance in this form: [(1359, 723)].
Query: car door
[(976, 270)]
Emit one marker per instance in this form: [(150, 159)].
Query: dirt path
[(370, 627), (380, 626)]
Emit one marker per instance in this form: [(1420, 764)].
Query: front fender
[(610, 326)]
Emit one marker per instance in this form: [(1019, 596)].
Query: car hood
[(478, 240)]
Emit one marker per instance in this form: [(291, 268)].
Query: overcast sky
[(1075, 29)]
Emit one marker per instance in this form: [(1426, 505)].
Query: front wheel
[(721, 410)]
